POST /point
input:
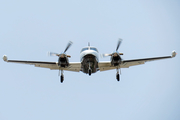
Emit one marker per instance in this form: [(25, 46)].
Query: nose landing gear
[(90, 71)]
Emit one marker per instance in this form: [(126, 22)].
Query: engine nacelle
[(115, 59), (63, 61)]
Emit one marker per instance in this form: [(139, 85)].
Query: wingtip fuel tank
[(173, 53), (5, 58)]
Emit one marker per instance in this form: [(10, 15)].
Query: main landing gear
[(62, 76), (117, 75)]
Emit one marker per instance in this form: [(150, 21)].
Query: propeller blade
[(53, 54), (114, 53), (68, 45), (68, 56), (118, 44), (105, 55)]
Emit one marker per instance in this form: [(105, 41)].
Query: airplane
[(89, 61)]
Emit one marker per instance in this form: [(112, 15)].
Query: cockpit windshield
[(84, 49), (92, 48), (89, 48)]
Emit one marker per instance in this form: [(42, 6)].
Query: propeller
[(68, 46), (53, 54), (105, 55), (118, 45), (62, 54)]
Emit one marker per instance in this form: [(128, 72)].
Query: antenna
[(88, 43)]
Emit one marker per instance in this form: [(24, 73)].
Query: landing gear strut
[(89, 71)]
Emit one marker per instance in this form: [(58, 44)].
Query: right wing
[(103, 66), (75, 67)]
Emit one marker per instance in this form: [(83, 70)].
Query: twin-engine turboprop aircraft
[(89, 61)]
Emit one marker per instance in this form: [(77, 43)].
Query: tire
[(117, 77), (62, 79), (90, 72)]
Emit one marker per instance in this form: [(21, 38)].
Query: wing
[(103, 66), (75, 67)]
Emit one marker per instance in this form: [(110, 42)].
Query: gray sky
[(29, 29)]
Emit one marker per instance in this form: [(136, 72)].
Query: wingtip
[(173, 54), (5, 58)]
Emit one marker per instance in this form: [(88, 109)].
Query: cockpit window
[(94, 49), (91, 48), (84, 49)]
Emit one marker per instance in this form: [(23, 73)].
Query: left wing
[(103, 66), (75, 67)]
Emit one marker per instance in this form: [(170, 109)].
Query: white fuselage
[(89, 52), (89, 58)]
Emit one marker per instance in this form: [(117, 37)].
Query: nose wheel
[(90, 71)]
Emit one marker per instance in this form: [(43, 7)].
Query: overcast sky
[(29, 29)]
